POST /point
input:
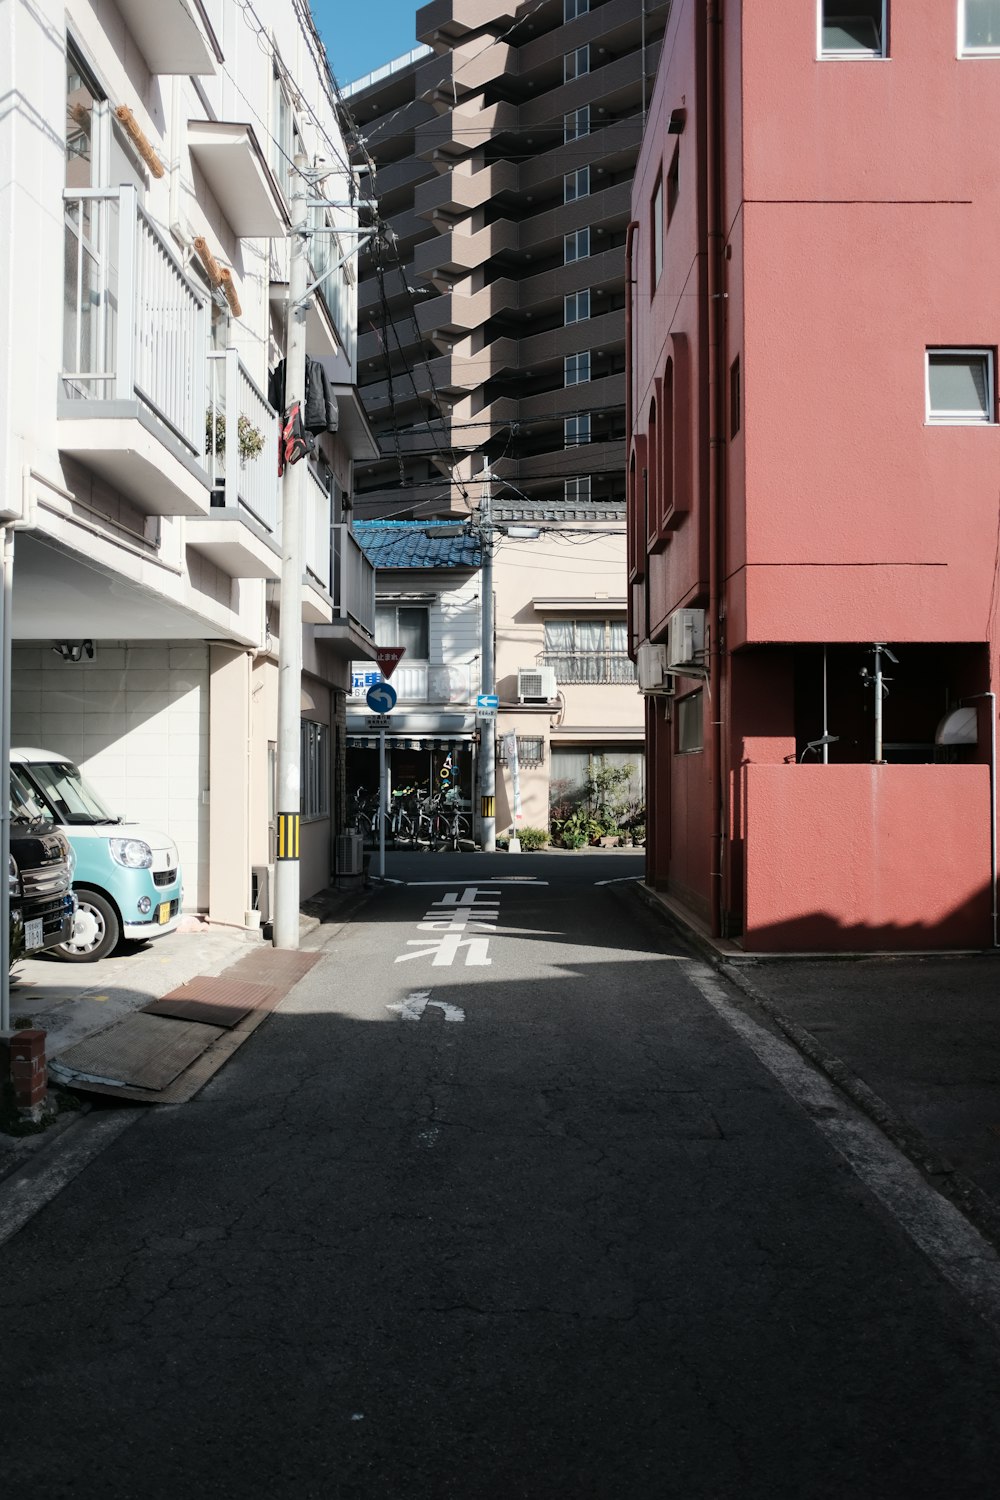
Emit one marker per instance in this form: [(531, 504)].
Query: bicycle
[(451, 827)]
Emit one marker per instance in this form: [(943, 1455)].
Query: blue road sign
[(381, 698), (487, 700)]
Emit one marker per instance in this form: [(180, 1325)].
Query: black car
[(40, 877)]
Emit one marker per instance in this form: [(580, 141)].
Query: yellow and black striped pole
[(288, 836)]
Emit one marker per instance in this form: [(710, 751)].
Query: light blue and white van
[(127, 879)]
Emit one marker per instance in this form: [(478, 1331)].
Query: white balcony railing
[(316, 525), (134, 328), (243, 453)]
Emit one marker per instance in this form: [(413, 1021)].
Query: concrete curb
[(977, 1206)]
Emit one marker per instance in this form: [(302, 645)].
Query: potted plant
[(250, 439)]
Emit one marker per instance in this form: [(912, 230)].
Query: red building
[(814, 469)]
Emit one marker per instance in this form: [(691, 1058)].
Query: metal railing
[(242, 453), (134, 327), (316, 529), (353, 581), (589, 666)]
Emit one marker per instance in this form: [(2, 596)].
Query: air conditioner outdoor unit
[(262, 891), (350, 853), (651, 670), (536, 684), (686, 641)]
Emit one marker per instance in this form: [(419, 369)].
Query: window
[(574, 8), (960, 385), (576, 246), (576, 430), (576, 185), (314, 745), (576, 123), (576, 368), (735, 397), (576, 307), (577, 491), (690, 724), (657, 218), (404, 625), (576, 63), (673, 183), (852, 28), (979, 28), (530, 749), (588, 651)]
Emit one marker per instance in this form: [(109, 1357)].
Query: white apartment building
[(145, 200)]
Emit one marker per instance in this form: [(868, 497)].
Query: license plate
[(34, 935), (163, 913)]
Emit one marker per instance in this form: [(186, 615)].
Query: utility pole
[(488, 726), (286, 867)]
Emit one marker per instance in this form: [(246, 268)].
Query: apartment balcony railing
[(317, 520), (353, 582), (589, 666), (241, 440), (427, 682), (134, 327)]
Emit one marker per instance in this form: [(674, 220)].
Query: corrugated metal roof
[(413, 544)]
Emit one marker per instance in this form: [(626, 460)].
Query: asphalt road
[(503, 1202)]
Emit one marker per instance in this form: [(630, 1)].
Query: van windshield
[(25, 803), (67, 794)]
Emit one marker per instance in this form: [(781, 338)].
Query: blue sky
[(361, 35)]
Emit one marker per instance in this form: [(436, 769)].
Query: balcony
[(241, 441), (338, 585), (423, 682), (132, 402), (590, 667)]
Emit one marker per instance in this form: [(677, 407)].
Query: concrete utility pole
[(488, 726), (286, 867)]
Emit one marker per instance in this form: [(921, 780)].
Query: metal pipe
[(488, 726), (826, 716), (716, 453), (878, 705)]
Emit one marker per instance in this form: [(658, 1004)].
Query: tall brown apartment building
[(494, 327)]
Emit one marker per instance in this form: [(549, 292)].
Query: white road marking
[(478, 906), (620, 880), (955, 1248), (417, 1001), (28, 1192)]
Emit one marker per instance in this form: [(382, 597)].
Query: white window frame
[(576, 123), (574, 240), (957, 418), (574, 8), (577, 491), (576, 430), (966, 51), (314, 740), (580, 181), (572, 61), (576, 307), (573, 364), (849, 54)]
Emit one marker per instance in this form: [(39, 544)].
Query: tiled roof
[(413, 544)]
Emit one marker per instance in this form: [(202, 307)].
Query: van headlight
[(132, 853)]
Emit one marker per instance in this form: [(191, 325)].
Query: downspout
[(630, 230), (715, 241), (993, 803)]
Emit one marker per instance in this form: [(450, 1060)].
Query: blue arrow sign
[(487, 700), (381, 698)]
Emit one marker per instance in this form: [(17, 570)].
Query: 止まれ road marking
[(475, 906)]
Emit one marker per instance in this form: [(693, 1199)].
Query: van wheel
[(96, 930)]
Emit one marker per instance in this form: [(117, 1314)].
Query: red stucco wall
[(866, 857)]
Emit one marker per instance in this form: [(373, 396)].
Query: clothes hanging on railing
[(319, 409)]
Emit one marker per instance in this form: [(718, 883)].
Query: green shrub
[(533, 838)]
